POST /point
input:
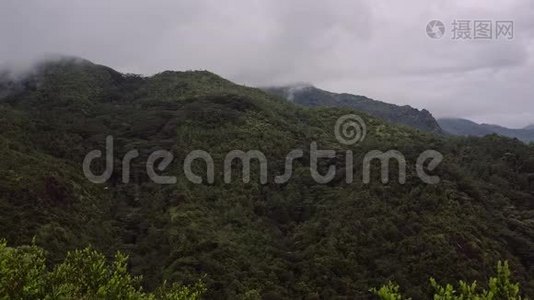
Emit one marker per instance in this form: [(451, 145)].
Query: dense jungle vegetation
[(297, 240)]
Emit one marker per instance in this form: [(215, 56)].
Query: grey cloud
[(373, 47)]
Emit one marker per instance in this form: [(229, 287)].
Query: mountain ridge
[(464, 127), (308, 95)]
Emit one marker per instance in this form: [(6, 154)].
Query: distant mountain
[(308, 95), (469, 128)]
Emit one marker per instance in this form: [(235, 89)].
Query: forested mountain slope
[(300, 239), (311, 96)]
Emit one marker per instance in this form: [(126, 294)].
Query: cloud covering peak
[(375, 48)]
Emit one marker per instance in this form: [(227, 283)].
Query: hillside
[(311, 96), (297, 240), (464, 127)]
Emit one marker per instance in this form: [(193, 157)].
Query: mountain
[(311, 96), (469, 128), (301, 239), (463, 127)]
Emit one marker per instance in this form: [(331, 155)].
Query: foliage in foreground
[(499, 287), (84, 274)]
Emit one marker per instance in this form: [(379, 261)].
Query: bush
[(84, 274), (499, 288)]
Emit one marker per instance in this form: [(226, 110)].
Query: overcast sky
[(372, 47)]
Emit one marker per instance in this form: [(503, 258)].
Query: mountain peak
[(308, 95)]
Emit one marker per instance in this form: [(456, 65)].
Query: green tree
[(84, 274), (500, 287)]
